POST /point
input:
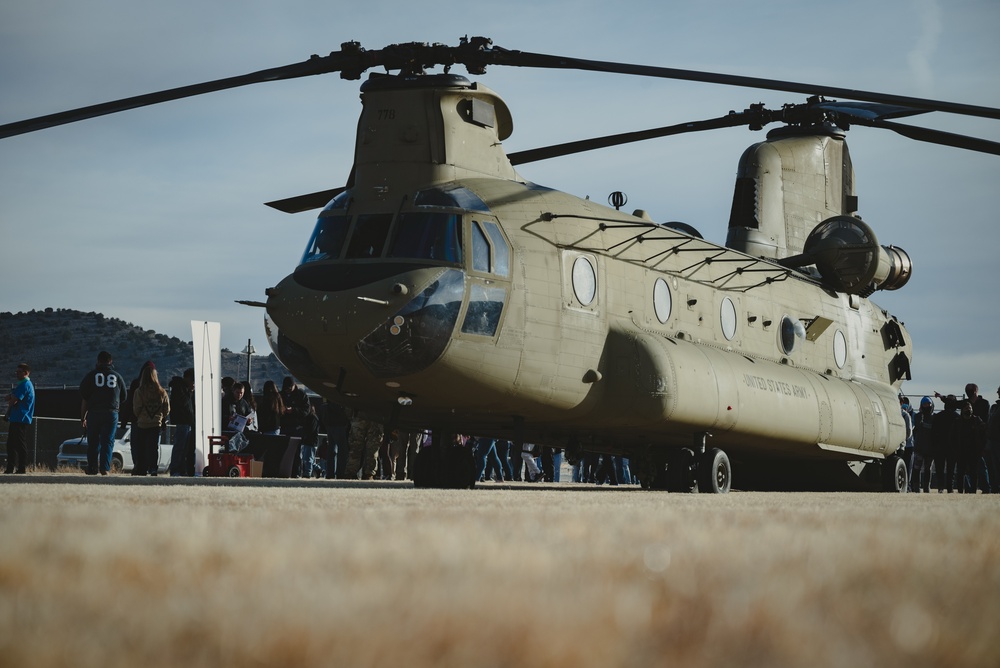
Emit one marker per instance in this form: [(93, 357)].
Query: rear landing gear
[(894, 474), (700, 468), (714, 472)]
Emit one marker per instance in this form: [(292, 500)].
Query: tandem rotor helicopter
[(442, 289)]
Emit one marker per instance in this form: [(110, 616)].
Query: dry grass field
[(112, 573)]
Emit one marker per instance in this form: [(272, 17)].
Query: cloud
[(922, 54), (948, 371)]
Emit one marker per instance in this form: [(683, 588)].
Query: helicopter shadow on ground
[(279, 483)]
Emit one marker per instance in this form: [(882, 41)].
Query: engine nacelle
[(849, 258)]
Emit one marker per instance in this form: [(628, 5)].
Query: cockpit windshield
[(428, 236), (419, 234), (328, 238)]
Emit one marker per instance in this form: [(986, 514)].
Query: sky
[(156, 216)]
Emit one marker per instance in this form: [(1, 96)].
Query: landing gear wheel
[(894, 475), (679, 478), (715, 475)]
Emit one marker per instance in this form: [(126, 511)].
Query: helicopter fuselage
[(443, 289)]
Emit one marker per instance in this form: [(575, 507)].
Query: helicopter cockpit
[(447, 227)]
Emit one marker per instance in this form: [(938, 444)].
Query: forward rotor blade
[(569, 148), (499, 56), (306, 68), (351, 61)]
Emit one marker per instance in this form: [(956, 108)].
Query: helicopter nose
[(416, 335), (391, 327), (313, 332)]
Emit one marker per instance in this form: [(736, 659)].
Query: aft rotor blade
[(939, 137), (307, 202), (499, 56), (867, 110)]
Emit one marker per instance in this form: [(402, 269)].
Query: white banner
[(207, 388)]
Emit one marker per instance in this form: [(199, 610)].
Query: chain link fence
[(44, 437)]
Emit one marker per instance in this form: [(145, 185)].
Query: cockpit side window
[(328, 238), (428, 236), (480, 250), (490, 253), (370, 232), (501, 252)]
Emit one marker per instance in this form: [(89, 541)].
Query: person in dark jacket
[(923, 446), (980, 405), (103, 391), (300, 420), (270, 410), (945, 459), (234, 404), (968, 437), (981, 409), (182, 417)]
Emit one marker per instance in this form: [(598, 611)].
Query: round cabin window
[(661, 300), (584, 281), (787, 335), (840, 349), (728, 316)]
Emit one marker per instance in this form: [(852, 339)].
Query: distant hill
[(61, 345)]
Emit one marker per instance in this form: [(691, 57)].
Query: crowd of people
[(354, 447), (956, 448)]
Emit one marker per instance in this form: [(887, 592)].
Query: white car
[(73, 451)]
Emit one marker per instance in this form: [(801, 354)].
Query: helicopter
[(441, 289)]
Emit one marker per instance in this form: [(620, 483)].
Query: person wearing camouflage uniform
[(364, 441)]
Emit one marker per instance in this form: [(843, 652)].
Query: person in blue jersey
[(20, 413), (103, 391)]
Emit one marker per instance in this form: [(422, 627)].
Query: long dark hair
[(271, 399), (149, 384)]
